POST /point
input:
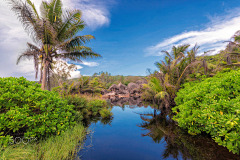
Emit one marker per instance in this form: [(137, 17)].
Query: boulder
[(114, 88), (133, 87), (104, 92), (122, 86)]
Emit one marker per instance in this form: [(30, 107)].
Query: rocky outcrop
[(133, 87), (121, 90), (113, 88)]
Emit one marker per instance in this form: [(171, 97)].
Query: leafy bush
[(96, 105), (87, 108), (78, 102), (105, 113), (212, 106), (26, 108)]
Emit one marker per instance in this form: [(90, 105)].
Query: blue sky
[(137, 24), (130, 34)]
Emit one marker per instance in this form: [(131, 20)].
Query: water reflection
[(139, 131), (94, 120), (179, 144), (131, 102)]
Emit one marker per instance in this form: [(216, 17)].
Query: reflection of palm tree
[(179, 143)]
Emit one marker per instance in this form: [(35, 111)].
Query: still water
[(140, 133)]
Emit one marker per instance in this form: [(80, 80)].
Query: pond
[(144, 133)]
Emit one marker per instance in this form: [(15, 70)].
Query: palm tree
[(54, 34), (233, 48), (174, 62), (154, 90), (177, 64), (83, 83)]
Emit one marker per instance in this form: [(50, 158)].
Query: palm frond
[(26, 16), (75, 42), (71, 24), (168, 54), (161, 95), (55, 11), (33, 8)]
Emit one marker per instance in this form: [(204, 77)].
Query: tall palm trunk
[(44, 73), (48, 75), (40, 81)]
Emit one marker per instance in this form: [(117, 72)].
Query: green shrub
[(86, 108), (212, 106), (26, 108), (234, 61), (95, 106), (224, 70), (78, 102), (105, 113)]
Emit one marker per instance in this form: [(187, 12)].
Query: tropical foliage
[(26, 110), (154, 90), (54, 33), (212, 106)]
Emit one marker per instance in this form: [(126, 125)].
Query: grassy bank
[(64, 146)]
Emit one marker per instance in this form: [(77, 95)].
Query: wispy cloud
[(13, 38), (90, 64), (212, 36), (95, 12)]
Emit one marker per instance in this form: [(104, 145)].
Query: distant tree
[(83, 83), (61, 71), (95, 86)]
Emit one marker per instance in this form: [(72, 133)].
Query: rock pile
[(121, 90)]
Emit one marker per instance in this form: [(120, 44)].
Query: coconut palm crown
[(54, 33)]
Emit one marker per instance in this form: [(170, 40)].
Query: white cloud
[(13, 38), (220, 29), (90, 64), (95, 12), (79, 67)]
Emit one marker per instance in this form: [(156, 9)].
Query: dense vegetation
[(207, 101), (182, 65), (26, 108), (212, 106), (30, 112)]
